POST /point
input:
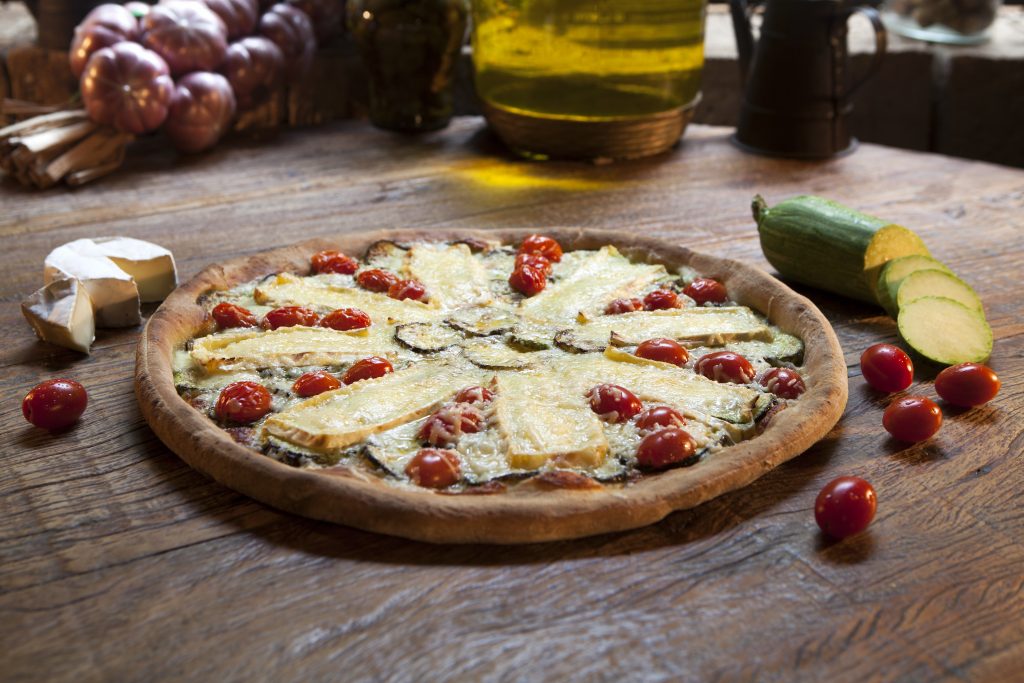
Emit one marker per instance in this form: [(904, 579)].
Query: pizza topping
[(482, 321), (55, 404), (613, 403), (535, 261), (783, 382), (346, 319), (886, 368), (367, 368), (659, 417), (912, 418), (725, 366), (845, 507), (566, 479), (665, 448), (450, 272), (314, 383), (376, 280), (290, 316), (528, 280), (334, 262), (228, 315), (475, 394), (408, 289), (542, 246), (451, 421), (243, 402), (704, 290), (661, 299), (494, 354), (664, 350), (711, 326), (620, 306), (967, 385), (434, 468), (427, 337)]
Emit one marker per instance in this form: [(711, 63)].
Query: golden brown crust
[(522, 514)]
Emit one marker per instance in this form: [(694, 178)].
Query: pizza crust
[(525, 513)]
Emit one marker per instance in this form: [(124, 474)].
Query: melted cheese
[(712, 326), (291, 289), (452, 275)]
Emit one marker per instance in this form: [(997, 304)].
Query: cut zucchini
[(386, 255), (533, 336), (894, 271), (945, 331), (495, 355), (924, 283), (427, 337), (891, 241), (483, 321)]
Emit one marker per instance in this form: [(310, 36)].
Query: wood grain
[(118, 562)]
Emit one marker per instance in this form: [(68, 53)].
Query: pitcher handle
[(741, 10), (881, 41)]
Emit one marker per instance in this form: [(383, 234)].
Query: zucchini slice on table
[(894, 271), (945, 331)]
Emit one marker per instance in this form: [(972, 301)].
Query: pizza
[(493, 386)]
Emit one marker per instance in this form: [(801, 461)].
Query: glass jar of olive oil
[(588, 79)]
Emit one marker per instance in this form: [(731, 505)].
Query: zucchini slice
[(894, 271), (386, 255), (923, 283), (494, 354), (945, 331), (483, 321), (427, 337), (535, 337)]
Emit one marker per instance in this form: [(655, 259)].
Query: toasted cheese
[(452, 275), (61, 313), (291, 289), (711, 326), (113, 292)]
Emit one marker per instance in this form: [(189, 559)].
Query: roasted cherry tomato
[(450, 422), (346, 319), (367, 368), (230, 315), (313, 383), (534, 261), (334, 262), (725, 366), (55, 404), (290, 316), (408, 289), (475, 394), (886, 368), (376, 280), (783, 382), (665, 350), (704, 290), (527, 280), (434, 468), (242, 402), (967, 385), (912, 418), (614, 403), (666, 447), (542, 246), (661, 299), (620, 306), (659, 417), (845, 507)]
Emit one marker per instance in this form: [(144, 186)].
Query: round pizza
[(497, 386)]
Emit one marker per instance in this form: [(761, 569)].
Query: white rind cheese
[(61, 313), (114, 294), (704, 325), (291, 289), (451, 274), (150, 265)]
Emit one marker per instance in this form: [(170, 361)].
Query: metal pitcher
[(796, 98)]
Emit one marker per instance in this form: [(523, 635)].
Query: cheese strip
[(61, 314), (710, 326), (452, 275), (290, 289), (345, 416), (290, 346), (113, 292), (602, 277), (150, 265)]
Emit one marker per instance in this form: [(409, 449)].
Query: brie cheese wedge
[(150, 265), (61, 314), (114, 295)]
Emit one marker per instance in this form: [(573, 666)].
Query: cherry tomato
[(475, 394), (620, 306), (290, 316), (367, 368), (313, 383), (665, 350), (666, 447), (967, 385), (534, 261), (845, 507), (55, 404), (450, 422), (334, 262), (230, 315), (725, 366), (661, 299), (527, 280), (346, 319), (912, 418), (614, 403), (242, 402), (704, 290), (783, 382), (376, 280), (659, 417), (542, 246), (434, 468), (407, 289), (886, 368)]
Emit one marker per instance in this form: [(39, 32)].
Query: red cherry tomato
[(527, 280), (376, 280), (666, 447), (967, 385), (408, 289), (55, 404), (704, 290), (450, 422), (845, 507), (290, 316), (333, 262), (475, 394), (367, 368), (659, 417), (620, 306), (542, 246), (912, 418), (230, 315), (661, 299), (434, 468), (242, 402), (886, 368), (725, 366), (346, 319), (535, 261), (664, 350), (313, 383), (614, 403), (783, 382)]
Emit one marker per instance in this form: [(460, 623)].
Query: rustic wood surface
[(118, 562)]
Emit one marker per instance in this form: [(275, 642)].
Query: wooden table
[(118, 562)]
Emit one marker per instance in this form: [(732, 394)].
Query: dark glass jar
[(410, 49)]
